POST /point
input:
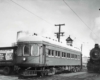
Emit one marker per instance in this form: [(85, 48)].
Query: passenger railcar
[(41, 56), (7, 59)]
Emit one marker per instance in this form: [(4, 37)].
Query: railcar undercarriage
[(47, 70)]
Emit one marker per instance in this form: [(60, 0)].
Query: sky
[(81, 19)]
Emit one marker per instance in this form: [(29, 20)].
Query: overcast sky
[(81, 19)]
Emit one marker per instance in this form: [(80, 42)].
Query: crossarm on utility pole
[(59, 32)]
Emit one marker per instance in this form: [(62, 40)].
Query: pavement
[(97, 78)]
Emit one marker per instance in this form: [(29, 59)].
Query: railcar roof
[(42, 39)]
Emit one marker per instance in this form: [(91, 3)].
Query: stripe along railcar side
[(7, 59), (38, 55)]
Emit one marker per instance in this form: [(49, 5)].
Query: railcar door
[(44, 55)]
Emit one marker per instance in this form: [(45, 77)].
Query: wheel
[(74, 70), (40, 74), (20, 73), (46, 73), (6, 70), (54, 71)]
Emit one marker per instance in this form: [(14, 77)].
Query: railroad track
[(63, 76)]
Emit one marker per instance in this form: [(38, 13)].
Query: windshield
[(26, 50), (34, 50)]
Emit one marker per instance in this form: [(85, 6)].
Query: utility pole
[(81, 56), (59, 32)]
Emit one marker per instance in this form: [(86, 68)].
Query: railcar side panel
[(61, 61)]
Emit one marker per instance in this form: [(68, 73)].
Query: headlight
[(24, 59), (95, 54)]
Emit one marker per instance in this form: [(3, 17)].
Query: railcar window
[(76, 56), (64, 54), (72, 55), (19, 50), (52, 52), (58, 53), (68, 55), (26, 50), (49, 52), (35, 50)]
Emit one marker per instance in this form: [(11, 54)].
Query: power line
[(76, 14), (31, 12), (79, 17), (44, 19)]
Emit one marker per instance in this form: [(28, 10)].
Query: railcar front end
[(30, 57)]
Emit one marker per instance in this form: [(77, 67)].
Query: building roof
[(10, 47), (69, 39), (44, 39)]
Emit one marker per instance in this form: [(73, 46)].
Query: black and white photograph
[(49, 39)]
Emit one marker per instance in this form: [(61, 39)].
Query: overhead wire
[(78, 17), (76, 14), (44, 19), (31, 12)]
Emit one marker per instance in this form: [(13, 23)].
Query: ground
[(63, 76)]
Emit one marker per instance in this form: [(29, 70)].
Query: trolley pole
[(59, 32)]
